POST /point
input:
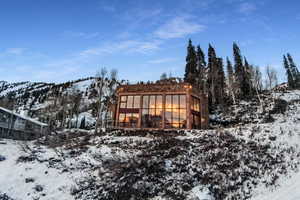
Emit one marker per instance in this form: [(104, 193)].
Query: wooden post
[(188, 110), (140, 112), (117, 111), (163, 109)]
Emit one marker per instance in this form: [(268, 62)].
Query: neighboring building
[(15, 126), (163, 105)]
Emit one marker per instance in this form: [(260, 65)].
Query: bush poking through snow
[(229, 166)]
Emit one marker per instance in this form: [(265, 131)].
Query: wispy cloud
[(15, 51), (108, 6), (247, 8), (162, 60), (178, 27), (126, 46), (83, 35)]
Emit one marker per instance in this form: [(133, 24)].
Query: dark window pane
[(168, 101), (152, 102), (145, 101), (137, 100), (192, 104), (145, 118), (182, 101), (159, 103), (168, 125), (175, 101)]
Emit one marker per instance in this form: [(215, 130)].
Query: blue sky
[(59, 40)]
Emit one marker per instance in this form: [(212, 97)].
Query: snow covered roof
[(24, 117)]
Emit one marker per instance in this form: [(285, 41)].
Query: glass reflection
[(175, 114), (130, 102), (182, 101), (145, 101), (137, 100)]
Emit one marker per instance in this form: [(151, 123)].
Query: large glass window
[(152, 111), (129, 111), (175, 114)]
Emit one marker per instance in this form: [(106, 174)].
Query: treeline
[(242, 80)]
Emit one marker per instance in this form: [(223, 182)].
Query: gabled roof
[(24, 117)]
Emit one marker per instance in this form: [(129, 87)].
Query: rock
[(5, 197), (272, 138), (38, 188), (2, 158), (29, 180)]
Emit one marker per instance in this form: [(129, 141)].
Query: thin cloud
[(15, 51), (83, 35), (247, 8), (127, 46), (162, 60), (178, 27)]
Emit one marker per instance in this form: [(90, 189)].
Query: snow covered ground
[(199, 165)]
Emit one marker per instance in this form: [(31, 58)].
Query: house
[(161, 105), (15, 126)]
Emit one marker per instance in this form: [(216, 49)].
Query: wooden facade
[(161, 106), (15, 126)]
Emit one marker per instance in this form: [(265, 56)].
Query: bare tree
[(271, 79), (110, 96), (75, 97), (99, 85), (257, 82)]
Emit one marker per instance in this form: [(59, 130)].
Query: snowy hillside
[(257, 161), (69, 103)]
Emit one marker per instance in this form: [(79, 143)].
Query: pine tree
[(294, 71), (246, 86), (238, 67), (191, 64), (231, 84), (201, 65), (220, 82), (291, 83), (212, 75)]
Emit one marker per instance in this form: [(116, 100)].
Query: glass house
[(161, 106)]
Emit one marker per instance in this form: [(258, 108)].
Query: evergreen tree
[(291, 83), (220, 86), (238, 67), (231, 85), (82, 123), (201, 65), (246, 86), (212, 75), (294, 71), (191, 64)]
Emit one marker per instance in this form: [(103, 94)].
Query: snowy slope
[(257, 160)]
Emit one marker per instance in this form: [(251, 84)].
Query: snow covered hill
[(258, 161), (35, 100)]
